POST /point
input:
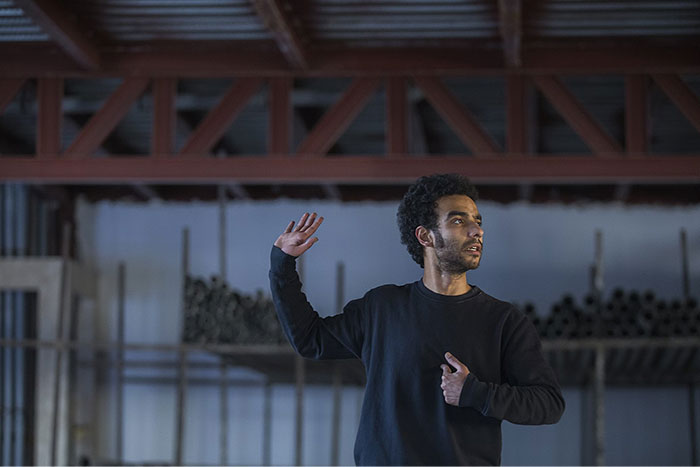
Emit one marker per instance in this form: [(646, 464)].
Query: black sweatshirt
[(401, 334)]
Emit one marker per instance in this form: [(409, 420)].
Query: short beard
[(450, 258)]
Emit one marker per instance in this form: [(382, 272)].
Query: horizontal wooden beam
[(661, 169), (184, 60)]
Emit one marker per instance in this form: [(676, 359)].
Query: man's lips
[(474, 248)]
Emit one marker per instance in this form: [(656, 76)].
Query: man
[(445, 362)]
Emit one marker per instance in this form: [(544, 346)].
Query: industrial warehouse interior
[(152, 151)]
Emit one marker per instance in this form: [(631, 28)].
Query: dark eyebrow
[(461, 213)]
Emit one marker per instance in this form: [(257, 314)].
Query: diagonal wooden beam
[(636, 114), (280, 115), (61, 27), (9, 88), (280, 24), (396, 117), (681, 95), (576, 115), (338, 118), (49, 117), (457, 116), (106, 119), (164, 117), (510, 22), (219, 119)]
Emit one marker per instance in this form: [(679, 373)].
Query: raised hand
[(453, 382), (295, 241)]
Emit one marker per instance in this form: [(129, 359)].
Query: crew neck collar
[(425, 291)]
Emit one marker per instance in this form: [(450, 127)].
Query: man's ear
[(424, 236)]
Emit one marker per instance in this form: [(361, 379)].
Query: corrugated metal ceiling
[(15, 26)]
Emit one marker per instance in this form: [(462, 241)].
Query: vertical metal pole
[(267, 424), (299, 375), (65, 258), (223, 415), (223, 393), (299, 435), (684, 265), (121, 292), (693, 425), (3, 252), (597, 283), (337, 375), (221, 190), (182, 367), (599, 404), (17, 212), (337, 397)]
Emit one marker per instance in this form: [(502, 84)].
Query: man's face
[(459, 237)]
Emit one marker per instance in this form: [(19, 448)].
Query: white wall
[(532, 253)]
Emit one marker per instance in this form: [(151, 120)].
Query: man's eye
[(458, 221)]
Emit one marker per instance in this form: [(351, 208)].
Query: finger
[(312, 229), (445, 370), (454, 362), (307, 244), (309, 222), (289, 227), (302, 221)]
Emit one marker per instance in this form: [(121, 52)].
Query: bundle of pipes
[(624, 314), (215, 313)]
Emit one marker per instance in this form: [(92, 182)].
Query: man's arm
[(529, 396), (311, 336)]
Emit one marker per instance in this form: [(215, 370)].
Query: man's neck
[(444, 283)]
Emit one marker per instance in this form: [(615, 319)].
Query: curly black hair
[(418, 206)]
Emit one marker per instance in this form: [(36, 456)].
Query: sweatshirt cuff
[(475, 394), (281, 263)]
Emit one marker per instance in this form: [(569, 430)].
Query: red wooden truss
[(489, 162)]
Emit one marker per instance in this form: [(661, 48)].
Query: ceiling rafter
[(510, 25), (59, 24), (281, 24)]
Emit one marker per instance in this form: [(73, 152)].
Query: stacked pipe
[(623, 314), (217, 314)]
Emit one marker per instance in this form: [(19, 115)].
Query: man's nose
[(476, 230)]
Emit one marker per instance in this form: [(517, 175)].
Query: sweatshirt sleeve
[(530, 394), (334, 337)]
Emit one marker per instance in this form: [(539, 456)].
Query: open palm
[(295, 241)]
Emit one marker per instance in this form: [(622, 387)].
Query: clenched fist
[(453, 381)]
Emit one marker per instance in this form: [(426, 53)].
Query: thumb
[(445, 370), (452, 360)]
